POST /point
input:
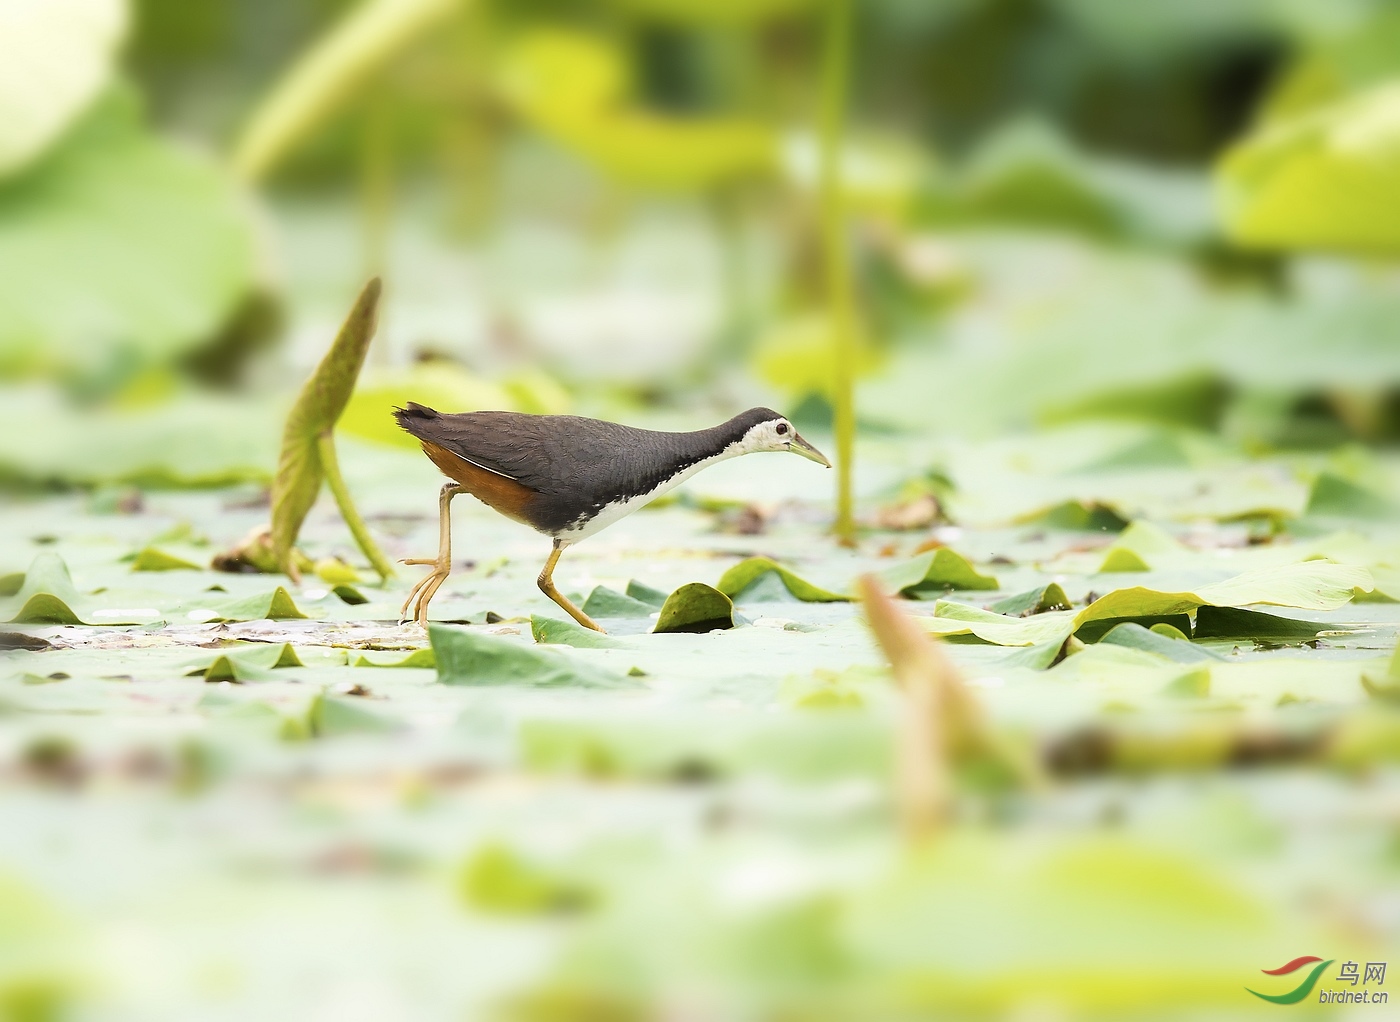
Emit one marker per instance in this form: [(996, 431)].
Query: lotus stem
[(836, 246), (330, 464)]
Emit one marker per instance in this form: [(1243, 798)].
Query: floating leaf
[(1235, 623), (350, 596), (653, 598), (48, 596), (252, 663), (1135, 636), (744, 575), (55, 58), (934, 572), (325, 76), (1090, 516), (695, 607), (276, 605), (1309, 585), (308, 448), (1035, 601), (549, 630), (418, 658), (1138, 546), (605, 602), (153, 559), (468, 657), (1120, 560)]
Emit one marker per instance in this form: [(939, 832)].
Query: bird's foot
[(423, 592)]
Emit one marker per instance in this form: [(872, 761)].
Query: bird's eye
[(782, 428)]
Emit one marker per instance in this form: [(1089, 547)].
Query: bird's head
[(769, 431)]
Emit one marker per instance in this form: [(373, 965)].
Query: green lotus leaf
[(744, 575), (695, 607), (469, 657)]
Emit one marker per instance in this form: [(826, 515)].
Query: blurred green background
[(1104, 295), (1056, 209)]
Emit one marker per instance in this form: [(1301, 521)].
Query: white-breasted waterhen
[(569, 477)]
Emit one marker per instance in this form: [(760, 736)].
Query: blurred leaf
[(695, 607), (880, 174), (1077, 514), (334, 69), (306, 437), (1196, 399), (1192, 684), (1333, 495), (747, 573), (575, 88), (1384, 686), (331, 716), (56, 57), (797, 356), (498, 880), (803, 747), (1140, 547), (1323, 180), (1098, 924), (468, 657), (194, 441), (437, 384), (121, 250), (739, 13), (154, 559), (933, 572), (1336, 66)]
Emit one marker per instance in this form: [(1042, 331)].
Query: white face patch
[(773, 435)]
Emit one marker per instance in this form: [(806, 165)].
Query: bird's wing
[(549, 454)]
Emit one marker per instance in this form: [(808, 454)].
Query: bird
[(567, 476)]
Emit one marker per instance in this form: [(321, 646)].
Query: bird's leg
[(427, 587), (546, 581)]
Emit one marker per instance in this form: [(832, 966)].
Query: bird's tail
[(413, 417)]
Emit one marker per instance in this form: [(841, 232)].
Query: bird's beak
[(802, 447)]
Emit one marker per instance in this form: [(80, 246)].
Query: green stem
[(330, 464), (839, 290)]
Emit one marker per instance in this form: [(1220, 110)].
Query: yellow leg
[(426, 588), (546, 581)]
